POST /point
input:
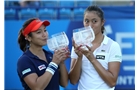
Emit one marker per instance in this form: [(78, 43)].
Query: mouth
[(44, 39)]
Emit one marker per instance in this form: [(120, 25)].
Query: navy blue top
[(29, 63)]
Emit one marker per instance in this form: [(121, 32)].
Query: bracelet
[(52, 67)]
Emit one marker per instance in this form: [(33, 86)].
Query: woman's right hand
[(60, 56), (77, 49)]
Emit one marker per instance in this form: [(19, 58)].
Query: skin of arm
[(75, 70), (63, 75), (40, 83), (109, 76), (62, 69)]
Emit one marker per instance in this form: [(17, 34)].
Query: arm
[(38, 83), (62, 69), (27, 71), (75, 70), (109, 76), (63, 75)]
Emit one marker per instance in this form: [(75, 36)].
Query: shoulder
[(111, 45), (23, 59), (114, 46), (112, 42)]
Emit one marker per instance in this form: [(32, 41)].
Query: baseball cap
[(34, 25)]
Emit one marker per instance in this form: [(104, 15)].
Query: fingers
[(65, 53), (85, 50), (61, 55), (79, 47), (88, 47), (73, 43)]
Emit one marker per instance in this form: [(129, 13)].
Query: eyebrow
[(94, 19), (91, 19), (42, 29)]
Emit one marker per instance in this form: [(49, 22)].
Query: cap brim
[(45, 23)]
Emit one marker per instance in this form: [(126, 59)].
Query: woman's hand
[(66, 52), (77, 49), (61, 55), (88, 53)]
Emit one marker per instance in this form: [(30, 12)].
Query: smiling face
[(39, 37), (93, 17)]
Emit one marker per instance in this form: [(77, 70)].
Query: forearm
[(42, 81), (63, 75), (75, 71), (104, 74)]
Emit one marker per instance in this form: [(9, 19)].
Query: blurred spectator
[(11, 3), (132, 3), (26, 3)]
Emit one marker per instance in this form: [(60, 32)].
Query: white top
[(90, 79)]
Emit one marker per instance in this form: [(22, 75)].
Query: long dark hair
[(23, 43), (99, 11)]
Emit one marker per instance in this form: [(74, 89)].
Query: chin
[(44, 44)]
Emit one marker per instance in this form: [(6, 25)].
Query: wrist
[(62, 62), (92, 60), (56, 62), (80, 57), (52, 67)]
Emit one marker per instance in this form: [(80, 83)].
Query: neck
[(36, 50), (98, 38)]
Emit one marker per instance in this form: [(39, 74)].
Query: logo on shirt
[(41, 67), (118, 56), (100, 57), (102, 50), (26, 71)]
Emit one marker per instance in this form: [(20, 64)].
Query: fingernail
[(78, 48)]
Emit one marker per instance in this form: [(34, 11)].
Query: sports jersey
[(108, 51), (29, 63)]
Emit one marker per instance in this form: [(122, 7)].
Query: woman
[(37, 68), (96, 68)]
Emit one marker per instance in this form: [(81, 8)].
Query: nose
[(45, 34), (90, 24)]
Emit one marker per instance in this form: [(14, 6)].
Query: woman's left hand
[(88, 53), (66, 53)]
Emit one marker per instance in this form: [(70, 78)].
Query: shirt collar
[(105, 40), (30, 54)]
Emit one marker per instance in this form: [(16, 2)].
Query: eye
[(86, 21), (94, 21), (45, 30), (38, 32)]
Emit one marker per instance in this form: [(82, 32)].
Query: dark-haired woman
[(37, 68), (96, 68)]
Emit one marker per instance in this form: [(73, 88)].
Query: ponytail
[(102, 29), (23, 43)]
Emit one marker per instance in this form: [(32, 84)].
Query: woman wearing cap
[(98, 67), (37, 68)]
